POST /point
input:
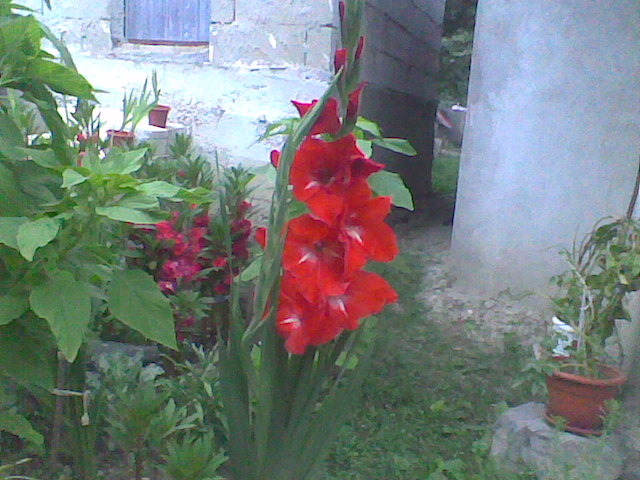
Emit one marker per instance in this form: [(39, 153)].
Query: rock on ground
[(523, 441)]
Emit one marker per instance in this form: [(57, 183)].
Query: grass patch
[(428, 402), (445, 173)]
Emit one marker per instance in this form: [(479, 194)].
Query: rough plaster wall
[(552, 136), (273, 32), (401, 68), (86, 27)]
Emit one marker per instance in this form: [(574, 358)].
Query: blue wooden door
[(168, 21)]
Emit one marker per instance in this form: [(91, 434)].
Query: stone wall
[(273, 32), (401, 68), (87, 27)]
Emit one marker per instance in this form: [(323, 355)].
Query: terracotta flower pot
[(580, 400), (120, 138), (158, 116)]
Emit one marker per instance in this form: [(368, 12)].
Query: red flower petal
[(261, 236), (275, 158), (314, 254), (354, 102), (329, 120), (367, 294), (325, 167), (340, 59), (303, 322)]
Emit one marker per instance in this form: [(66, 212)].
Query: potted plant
[(159, 113), (134, 109), (602, 270)]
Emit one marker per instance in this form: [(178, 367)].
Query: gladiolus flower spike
[(324, 289)]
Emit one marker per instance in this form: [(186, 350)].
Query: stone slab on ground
[(524, 441)]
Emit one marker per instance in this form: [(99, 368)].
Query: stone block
[(246, 43), (524, 441), (284, 12), (223, 11)]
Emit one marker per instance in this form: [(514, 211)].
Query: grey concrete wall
[(552, 135), (401, 68)]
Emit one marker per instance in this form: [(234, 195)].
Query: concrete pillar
[(552, 137), (401, 70)]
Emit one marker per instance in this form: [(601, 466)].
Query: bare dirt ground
[(487, 319)]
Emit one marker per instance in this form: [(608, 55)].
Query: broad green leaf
[(123, 163), (62, 79), (35, 234), (19, 426), (159, 189), (399, 145), (9, 230), (369, 126), (65, 304), (70, 178), (25, 357), (366, 146), (11, 137), (124, 214), (135, 299), (12, 307), (197, 195), (390, 184), (44, 158), (13, 202), (139, 202)]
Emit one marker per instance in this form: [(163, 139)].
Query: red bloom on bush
[(220, 262)]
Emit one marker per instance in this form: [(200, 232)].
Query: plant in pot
[(159, 113), (134, 109), (603, 269)]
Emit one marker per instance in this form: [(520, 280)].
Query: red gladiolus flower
[(314, 254), (367, 294), (329, 120), (303, 321), (327, 167)]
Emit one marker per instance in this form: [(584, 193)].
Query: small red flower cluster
[(192, 252), (324, 288)]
